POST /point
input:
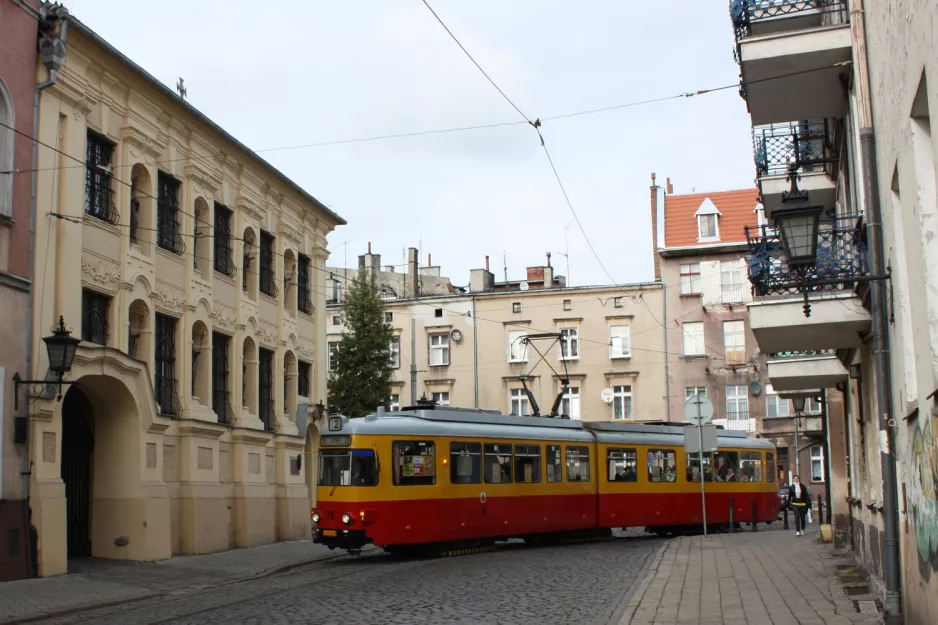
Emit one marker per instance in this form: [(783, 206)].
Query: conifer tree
[(361, 376)]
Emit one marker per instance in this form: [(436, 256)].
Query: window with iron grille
[(302, 385), (98, 200), (221, 397), (267, 265), (302, 293), (224, 262), (165, 374), (94, 307), (168, 231), (266, 388), (134, 210)]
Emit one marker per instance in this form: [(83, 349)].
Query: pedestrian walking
[(800, 502)]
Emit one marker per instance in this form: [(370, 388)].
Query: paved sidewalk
[(100, 583), (750, 578)]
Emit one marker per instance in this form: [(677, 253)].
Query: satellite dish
[(606, 395), (755, 389), (456, 335), (523, 286)]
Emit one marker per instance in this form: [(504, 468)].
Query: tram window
[(348, 467), (554, 465), (497, 463), (770, 467), (726, 466), (527, 464), (662, 465), (465, 463), (414, 463), (578, 464), (622, 465), (750, 466), (693, 467)]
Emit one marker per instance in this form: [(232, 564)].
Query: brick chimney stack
[(654, 226), (670, 189)]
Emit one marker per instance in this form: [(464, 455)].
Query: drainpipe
[(475, 350), (892, 604), (52, 51), (667, 355)]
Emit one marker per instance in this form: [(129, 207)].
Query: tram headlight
[(316, 517), (347, 519)]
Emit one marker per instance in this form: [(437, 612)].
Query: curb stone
[(635, 598)]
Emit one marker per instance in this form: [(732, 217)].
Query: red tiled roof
[(680, 223)]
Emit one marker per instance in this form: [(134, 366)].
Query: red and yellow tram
[(442, 476)]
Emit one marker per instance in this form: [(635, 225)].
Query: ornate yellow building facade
[(192, 270)]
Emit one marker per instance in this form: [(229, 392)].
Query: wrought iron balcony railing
[(747, 14), (806, 144), (841, 259), (804, 353)]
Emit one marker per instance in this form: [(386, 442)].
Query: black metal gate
[(77, 445)]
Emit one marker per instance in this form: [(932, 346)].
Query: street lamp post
[(798, 404), (60, 347)]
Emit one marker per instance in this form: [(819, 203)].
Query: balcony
[(808, 146), (738, 421), (838, 318), (732, 293), (805, 370), (791, 54)]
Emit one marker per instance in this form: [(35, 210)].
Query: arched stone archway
[(311, 461)]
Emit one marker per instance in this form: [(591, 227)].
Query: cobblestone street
[(586, 583)]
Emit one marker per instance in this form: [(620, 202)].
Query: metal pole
[(825, 415), (413, 361), (700, 453), (797, 450), (475, 351), (667, 356)]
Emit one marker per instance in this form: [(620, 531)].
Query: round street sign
[(698, 405)]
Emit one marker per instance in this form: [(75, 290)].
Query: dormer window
[(708, 222)]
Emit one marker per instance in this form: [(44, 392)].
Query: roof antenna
[(505, 264), (181, 88)]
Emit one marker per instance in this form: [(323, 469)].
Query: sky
[(279, 74)]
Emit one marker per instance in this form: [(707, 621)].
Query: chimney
[(486, 263), (481, 279), (376, 264), (668, 188), (654, 227), (548, 276), (413, 288), (369, 247), (429, 260)]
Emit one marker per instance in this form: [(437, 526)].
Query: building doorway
[(77, 449)]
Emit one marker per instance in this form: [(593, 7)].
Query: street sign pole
[(703, 496), (698, 411)]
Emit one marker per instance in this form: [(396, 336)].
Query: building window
[(336, 292), (518, 403), (94, 309), (7, 142), (333, 348), (224, 261), (396, 352), (570, 403), (707, 227), (516, 307), (221, 397), (389, 317), (817, 463), (268, 283), (165, 360), (569, 343), (441, 398), (775, 406), (619, 345), (568, 304), (168, 231), (737, 403), (517, 347), (694, 391), (621, 402), (336, 320), (265, 389), (394, 404), (694, 338), (439, 350), (617, 302), (731, 282), (305, 371), (812, 406), (690, 279), (438, 313), (734, 342), (99, 201), (303, 299)]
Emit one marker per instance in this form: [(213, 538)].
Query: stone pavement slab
[(753, 578), (98, 583)]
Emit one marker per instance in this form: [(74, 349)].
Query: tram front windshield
[(348, 467)]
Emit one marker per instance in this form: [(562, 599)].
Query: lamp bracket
[(38, 388), (794, 193)]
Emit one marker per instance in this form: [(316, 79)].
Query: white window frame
[(773, 399), (517, 349), (812, 406), (439, 346), (690, 279), (518, 396), (731, 281), (570, 403), (7, 151), (617, 302), (440, 397), (394, 403), (734, 341), (395, 349), (716, 227), (570, 343), (693, 339), (331, 348), (622, 402), (737, 402), (694, 391), (620, 343), (817, 455)]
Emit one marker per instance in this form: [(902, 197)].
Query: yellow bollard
[(825, 533)]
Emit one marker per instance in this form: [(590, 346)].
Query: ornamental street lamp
[(797, 224), (60, 347)]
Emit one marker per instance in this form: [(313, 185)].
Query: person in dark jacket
[(800, 501)]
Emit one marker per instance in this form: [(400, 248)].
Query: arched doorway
[(77, 453)]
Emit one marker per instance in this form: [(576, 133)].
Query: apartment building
[(194, 274), (466, 349), (840, 97), (409, 279)]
